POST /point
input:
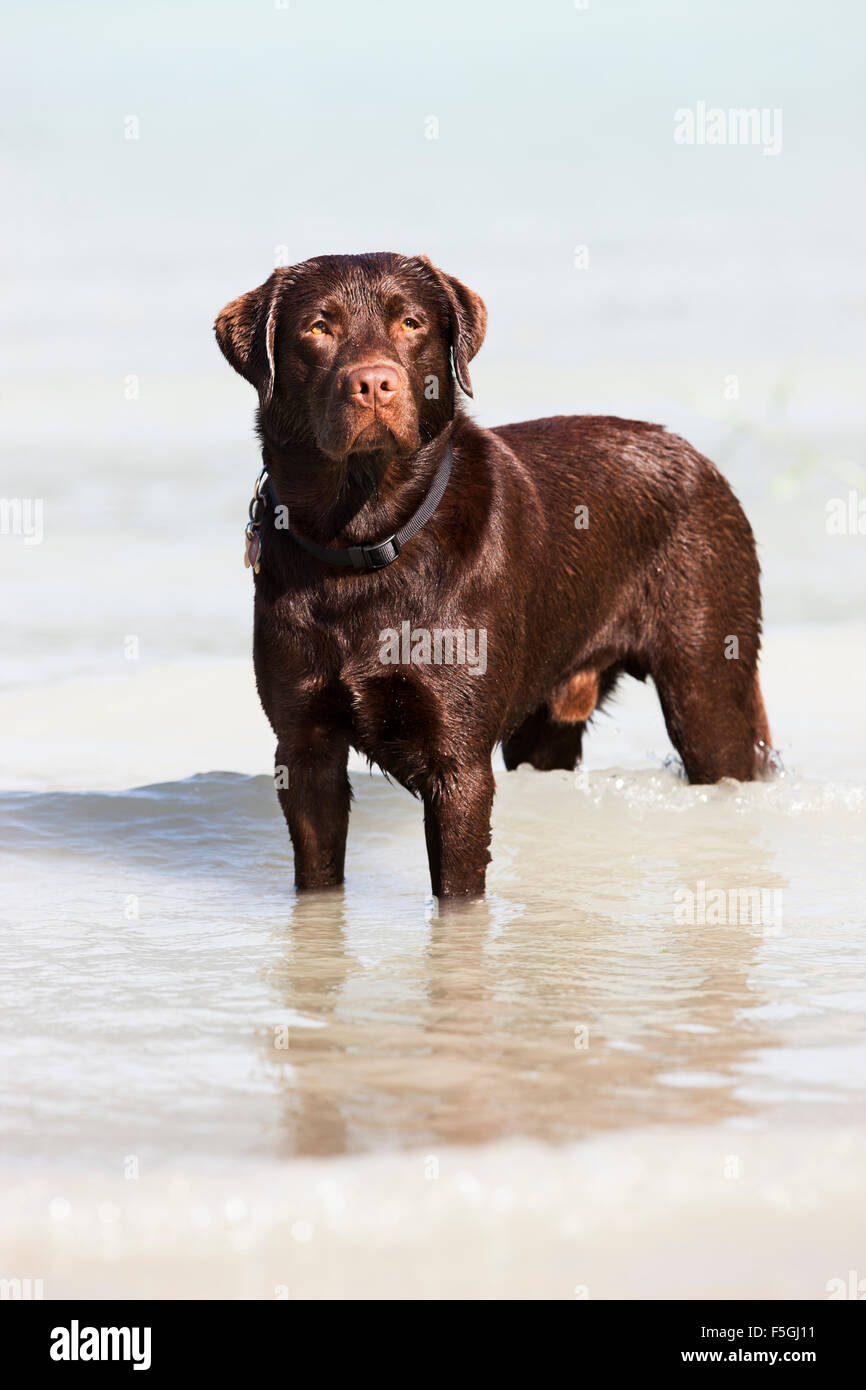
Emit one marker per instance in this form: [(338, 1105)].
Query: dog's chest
[(390, 683)]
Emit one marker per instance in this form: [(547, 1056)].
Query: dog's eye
[(319, 327), (409, 325)]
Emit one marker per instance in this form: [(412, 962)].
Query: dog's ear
[(246, 330), (468, 314)]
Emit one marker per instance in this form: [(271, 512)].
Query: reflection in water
[(312, 982), (548, 1017), (573, 1065), (181, 1001)]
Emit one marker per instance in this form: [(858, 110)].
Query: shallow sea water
[(212, 1087), (172, 979)]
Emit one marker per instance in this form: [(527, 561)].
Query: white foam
[(658, 1213)]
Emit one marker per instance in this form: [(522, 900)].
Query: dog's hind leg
[(552, 736), (716, 720), (544, 742), (766, 758)]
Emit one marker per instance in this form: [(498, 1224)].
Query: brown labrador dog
[(426, 589)]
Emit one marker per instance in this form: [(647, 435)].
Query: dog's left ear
[(468, 315), (246, 330)]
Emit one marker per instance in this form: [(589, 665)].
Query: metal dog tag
[(252, 549)]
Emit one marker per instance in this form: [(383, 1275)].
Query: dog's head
[(353, 353)]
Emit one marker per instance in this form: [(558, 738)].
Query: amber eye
[(409, 325), (319, 327)]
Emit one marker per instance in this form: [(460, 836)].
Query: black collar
[(375, 556)]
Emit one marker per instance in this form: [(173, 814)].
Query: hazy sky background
[(304, 127)]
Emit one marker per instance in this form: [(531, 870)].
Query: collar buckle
[(374, 557)]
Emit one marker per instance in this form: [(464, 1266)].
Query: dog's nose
[(372, 387)]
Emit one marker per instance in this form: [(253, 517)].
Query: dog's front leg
[(457, 811), (314, 794)]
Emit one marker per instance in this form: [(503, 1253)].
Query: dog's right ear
[(246, 330)]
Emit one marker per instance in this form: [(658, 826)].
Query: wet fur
[(656, 585)]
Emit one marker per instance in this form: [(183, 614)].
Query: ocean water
[(638, 1068), (595, 1083)]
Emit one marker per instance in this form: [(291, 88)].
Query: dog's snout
[(372, 387)]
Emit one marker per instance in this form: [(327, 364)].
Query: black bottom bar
[(166, 1339)]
